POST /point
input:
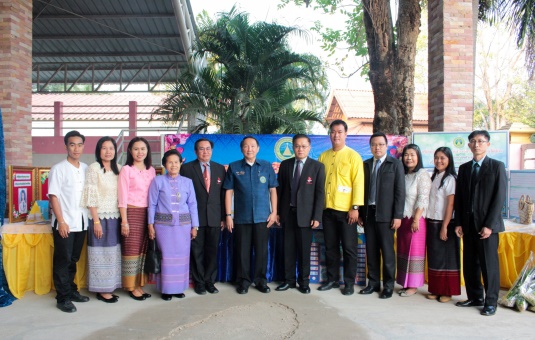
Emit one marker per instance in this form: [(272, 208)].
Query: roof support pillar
[(58, 119), (132, 118)]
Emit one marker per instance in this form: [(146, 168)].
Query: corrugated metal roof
[(94, 106), (125, 34)]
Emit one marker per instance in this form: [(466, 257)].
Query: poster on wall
[(42, 183), (458, 143), (22, 192)]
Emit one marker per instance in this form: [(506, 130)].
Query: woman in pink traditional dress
[(134, 181), (412, 233)]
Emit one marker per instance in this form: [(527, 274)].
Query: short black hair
[(203, 140), (169, 153), (420, 163), (479, 132), (299, 136), (113, 162), (338, 122), (73, 133), (130, 160), (248, 137), (378, 134)]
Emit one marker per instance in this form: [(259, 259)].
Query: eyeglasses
[(301, 147), (479, 141), (381, 145), (204, 149)]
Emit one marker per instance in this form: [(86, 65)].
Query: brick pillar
[(452, 29), (16, 79), (132, 118)]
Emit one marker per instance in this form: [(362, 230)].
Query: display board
[(458, 143), (22, 191), (522, 182)]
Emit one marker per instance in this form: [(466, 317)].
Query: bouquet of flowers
[(522, 294)]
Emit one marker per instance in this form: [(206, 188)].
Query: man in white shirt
[(69, 221)]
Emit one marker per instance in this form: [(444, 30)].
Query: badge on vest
[(262, 179)]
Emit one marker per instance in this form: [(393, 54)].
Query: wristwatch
[(355, 207)]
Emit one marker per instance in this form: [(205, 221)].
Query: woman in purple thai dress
[(173, 220)]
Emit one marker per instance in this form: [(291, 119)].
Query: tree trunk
[(408, 28), (381, 45)]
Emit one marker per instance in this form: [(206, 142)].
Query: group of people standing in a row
[(191, 203)]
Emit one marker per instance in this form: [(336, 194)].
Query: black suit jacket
[(211, 206), (489, 196), (310, 193), (390, 195)]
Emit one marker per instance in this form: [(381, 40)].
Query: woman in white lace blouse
[(411, 234), (103, 241)]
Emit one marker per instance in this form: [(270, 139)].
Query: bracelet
[(62, 222), (97, 222), (125, 225), (228, 214)]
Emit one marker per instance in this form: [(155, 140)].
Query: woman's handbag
[(525, 209), (153, 260)]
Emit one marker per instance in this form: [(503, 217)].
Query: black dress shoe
[(66, 306), (284, 286), (167, 297), (470, 303), (386, 293), (348, 290), (488, 310), (76, 297), (242, 290), (369, 289), (113, 299), (200, 290), (328, 286), (137, 298), (263, 288), (304, 289), (180, 296), (210, 288)]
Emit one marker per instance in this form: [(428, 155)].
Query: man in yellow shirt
[(344, 193)]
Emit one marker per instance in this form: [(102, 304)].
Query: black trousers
[(336, 230), (380, 241), (481, 257), (203, 259), (249, 237), (297, 242), (66, 254)]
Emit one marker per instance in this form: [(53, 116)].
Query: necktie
[(206, 175), (295, 183), (373, 184), (473, 181)]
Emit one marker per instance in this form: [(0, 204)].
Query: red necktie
[(206, 175)]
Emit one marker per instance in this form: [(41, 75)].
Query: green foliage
[(250, 82)]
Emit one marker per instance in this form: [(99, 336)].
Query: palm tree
[(520, 17), (251, 83)]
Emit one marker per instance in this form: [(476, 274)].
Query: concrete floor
[(277, 315)]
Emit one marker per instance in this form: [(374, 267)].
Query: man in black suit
[(381, 214), (479, 198), (301, 195), (207, 177)]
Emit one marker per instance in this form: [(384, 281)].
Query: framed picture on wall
[(42, 183), (22, 191)]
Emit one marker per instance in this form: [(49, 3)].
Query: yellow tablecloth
[(28, 252), (514, 250)]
